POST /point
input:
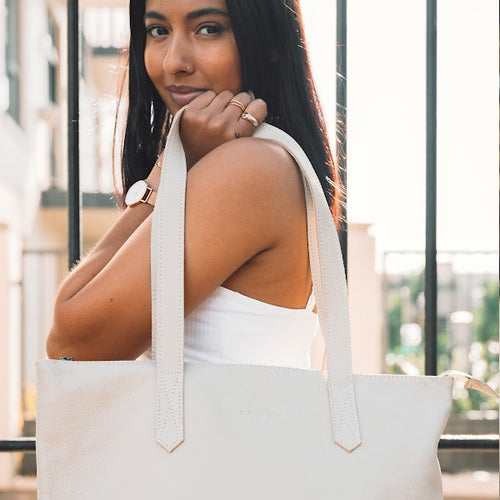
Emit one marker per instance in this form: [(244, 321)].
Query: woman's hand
[(210, 120)]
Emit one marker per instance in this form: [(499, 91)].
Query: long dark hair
[(275, 66)]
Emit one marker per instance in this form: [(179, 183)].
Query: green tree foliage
[(485, 332), (486, 315), (394, 320)]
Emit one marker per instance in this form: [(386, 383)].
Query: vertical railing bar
[(74, 196), (431, 193), (341, 114)]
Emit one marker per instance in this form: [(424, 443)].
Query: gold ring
[(238, 103), (250, 118)]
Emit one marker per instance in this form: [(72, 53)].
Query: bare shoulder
[(244, 199), (260, 148), (256, 169)]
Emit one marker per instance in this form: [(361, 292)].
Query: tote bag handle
[(167, 285)]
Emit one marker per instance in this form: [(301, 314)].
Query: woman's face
[(190, 48)]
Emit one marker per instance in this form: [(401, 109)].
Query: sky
[(386, 79)]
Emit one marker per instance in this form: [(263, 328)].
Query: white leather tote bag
[(169, 429)]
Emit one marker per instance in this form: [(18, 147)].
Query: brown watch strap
[(150, 197)]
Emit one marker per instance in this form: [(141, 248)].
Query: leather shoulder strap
[(167, 281)]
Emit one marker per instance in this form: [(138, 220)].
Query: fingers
[(196, 115), (220, 115), (225, 111), (234, 110), (221, 102), (202, 101), (256, 109), (212, 112)]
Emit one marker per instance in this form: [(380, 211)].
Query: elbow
[(56, 344), (56, 333), (61, 340), (74, 334), (60, 344), (51, 347)]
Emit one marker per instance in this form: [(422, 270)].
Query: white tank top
[(229, 327)]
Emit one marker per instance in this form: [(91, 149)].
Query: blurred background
[(386, 194)]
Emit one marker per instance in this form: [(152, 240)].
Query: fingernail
[(252, 95)]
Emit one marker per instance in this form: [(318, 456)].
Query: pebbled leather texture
[(251, 432), (182, 430)]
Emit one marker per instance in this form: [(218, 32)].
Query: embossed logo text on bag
[(259, 414)]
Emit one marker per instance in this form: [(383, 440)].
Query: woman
[(248, 287)]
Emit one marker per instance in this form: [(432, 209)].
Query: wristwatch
[(140, 192)]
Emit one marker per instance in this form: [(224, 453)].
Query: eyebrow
[(153, 14)]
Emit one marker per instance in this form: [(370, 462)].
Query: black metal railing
[(341, 117), (483, 442), (431, 195), (74, 195), (469, 442)]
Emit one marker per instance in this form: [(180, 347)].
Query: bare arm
[(207, 123), (111, 286), (103, 309), (88, 269)]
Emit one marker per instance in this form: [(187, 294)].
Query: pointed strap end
[(169, 445), (344, 416), (348, 445)]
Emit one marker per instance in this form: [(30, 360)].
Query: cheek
[(228, 70), (153, 65), (236, 71)]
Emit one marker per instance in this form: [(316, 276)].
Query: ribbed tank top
[(229, 327)]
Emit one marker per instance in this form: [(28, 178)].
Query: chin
[(173, 108)]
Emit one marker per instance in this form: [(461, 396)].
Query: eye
[(211, 29), (156, 31)]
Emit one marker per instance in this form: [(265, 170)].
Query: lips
[(183, 95)]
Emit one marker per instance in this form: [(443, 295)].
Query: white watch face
[(135, 193)]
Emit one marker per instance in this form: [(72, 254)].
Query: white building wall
[(365, 306), (10, 346), (365, 302), (23, 169)]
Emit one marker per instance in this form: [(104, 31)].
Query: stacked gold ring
[(239, 104)]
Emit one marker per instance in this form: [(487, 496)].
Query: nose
[(178, 57)]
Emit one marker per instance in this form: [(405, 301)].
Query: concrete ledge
[(477, 485), (469, 486), (21, 488), (57, 198)]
